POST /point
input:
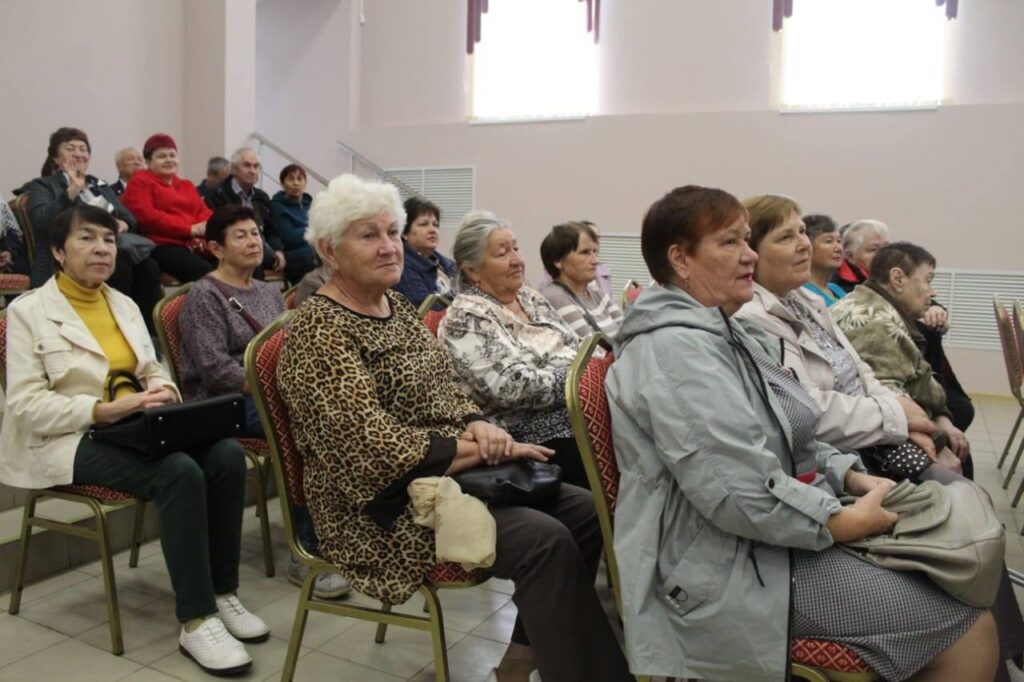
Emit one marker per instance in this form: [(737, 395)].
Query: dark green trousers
[(199, 498)]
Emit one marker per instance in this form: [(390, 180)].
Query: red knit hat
[(158, 141)]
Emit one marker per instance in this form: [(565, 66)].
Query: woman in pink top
[(169, 210)]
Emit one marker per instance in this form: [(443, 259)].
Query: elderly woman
[(65, 182), (826, 257), (12, 242), (221, 314), (289, 210), (426, 271), (879, 320), (64, 340), (858, 412), (511, 349), (729, 501), (170, 211), (861, 240), (570, 256), (357, 343)]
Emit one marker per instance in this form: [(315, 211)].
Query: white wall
[(114, 68), (685, 93)]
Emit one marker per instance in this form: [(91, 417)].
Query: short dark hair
[(818, 223), (216, 164), (417, 206), (223, 218), (70, 218), (59, 137), (289, 169), (903, 255), (560, 242), (684, 216), (765, 213)]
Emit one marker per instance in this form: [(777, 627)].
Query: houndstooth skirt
[(897, 621)]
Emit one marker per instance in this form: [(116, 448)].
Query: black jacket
[(224, 195)]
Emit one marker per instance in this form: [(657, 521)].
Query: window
[(535, 59), (863, 54)]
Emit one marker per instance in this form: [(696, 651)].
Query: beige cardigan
[(850, 422), (55, 375)]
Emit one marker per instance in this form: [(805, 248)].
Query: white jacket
[(55, 376), (850, 422)]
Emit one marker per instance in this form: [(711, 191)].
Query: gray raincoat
[(707, 508)]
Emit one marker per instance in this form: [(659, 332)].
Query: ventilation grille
[(967, 294), (451, 188)]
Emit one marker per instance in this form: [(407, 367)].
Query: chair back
[(166, 315), (630, 292), (591, 422), (3, 351), (261, 358), (19, 206), (1018, 331), (1011, 349), (290, 296), (431, 314)]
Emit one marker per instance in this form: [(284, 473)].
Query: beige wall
[(114, 68)]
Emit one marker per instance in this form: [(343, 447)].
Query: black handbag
[(519, 483), (158, 431)]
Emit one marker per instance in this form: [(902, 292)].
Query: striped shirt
[(587, 314)]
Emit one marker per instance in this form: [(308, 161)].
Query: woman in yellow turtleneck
[(63, 341)]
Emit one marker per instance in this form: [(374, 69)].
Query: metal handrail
[(267, 143), (379, 170)]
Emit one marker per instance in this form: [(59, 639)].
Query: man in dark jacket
[(240, 188)]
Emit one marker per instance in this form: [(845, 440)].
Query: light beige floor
[(61, 632)]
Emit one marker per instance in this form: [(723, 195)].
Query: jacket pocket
[(699, 575), (55, 353)]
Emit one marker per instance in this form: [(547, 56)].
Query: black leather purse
[(519, 483), (159, 431)]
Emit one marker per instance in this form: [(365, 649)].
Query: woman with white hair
[(373, 406), (511, 349), (861, 241)]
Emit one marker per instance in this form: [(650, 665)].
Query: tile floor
[(62, 633)]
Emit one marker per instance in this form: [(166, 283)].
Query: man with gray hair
[(217, 170), (240, 188), (127, 160)]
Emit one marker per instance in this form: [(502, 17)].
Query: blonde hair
[(346, 200)]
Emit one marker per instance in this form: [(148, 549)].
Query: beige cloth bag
[(464, 531)]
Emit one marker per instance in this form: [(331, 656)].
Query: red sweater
[(166, 213)]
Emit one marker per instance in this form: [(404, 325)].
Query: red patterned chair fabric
[(3, 350), (1018, 332), (257, 445), (818, 653), (169, 316), (267, 356), (12, 282), (633, 292), (289, 299), (433, 319), (99, 492), (594, 402)]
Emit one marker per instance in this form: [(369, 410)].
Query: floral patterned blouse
[(514, 370)]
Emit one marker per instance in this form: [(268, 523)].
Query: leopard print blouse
[(369, 399)]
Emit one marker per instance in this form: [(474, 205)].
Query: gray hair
[(471, 241), (236, 158), (346, 200), (216, 164), (121, 153), (857, 232)]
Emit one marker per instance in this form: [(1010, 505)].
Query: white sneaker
[(326, 586), (212, 647), (243, 626)]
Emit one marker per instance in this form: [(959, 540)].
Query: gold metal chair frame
[(433, 622), (604, 515), (430, 301), (256, 456), (100, 535)]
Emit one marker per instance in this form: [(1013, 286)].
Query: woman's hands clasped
[(496, 445), (866, 516), (105, 413)]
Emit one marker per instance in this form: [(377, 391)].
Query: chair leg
[(140, 518), (382, 628), (22, 559), (437, 635), (298, 627), (1020, 487), (803, 672), (261, 472), (1013, 467), (1009, 441), (109, 583)]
